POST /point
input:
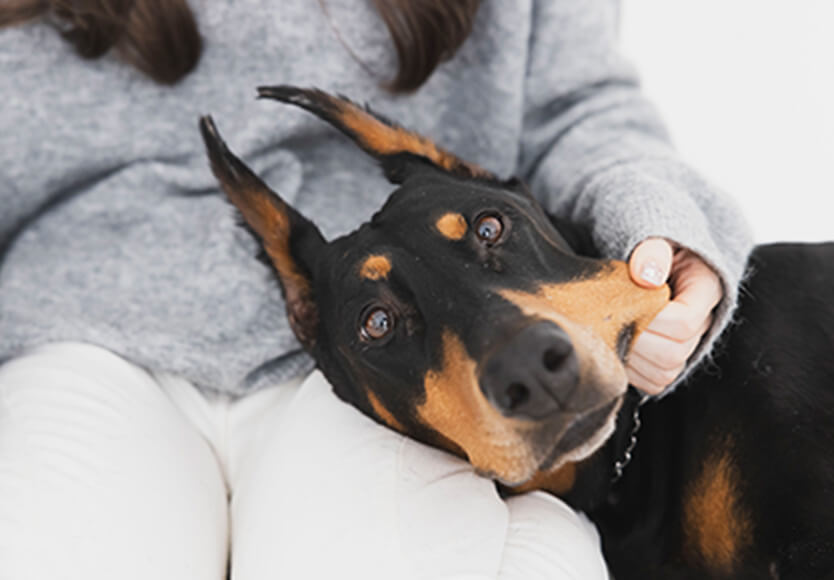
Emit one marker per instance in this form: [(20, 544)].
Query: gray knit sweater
[(115, 232)]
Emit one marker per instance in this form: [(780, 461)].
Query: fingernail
[(652, 274)]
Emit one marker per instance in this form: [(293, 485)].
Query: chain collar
[(620, 465)]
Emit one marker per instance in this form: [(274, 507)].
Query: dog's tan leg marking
[(375, 267), (455, 408), (451, 226), (716, 526)]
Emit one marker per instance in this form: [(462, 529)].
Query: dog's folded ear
[(398, 150), (290, 240)]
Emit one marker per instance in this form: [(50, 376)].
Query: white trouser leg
[(325, 492), (101, 476)]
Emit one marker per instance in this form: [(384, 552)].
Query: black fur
[(751, 433)]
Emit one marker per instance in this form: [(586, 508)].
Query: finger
[(650, 377), (696, 284), (663, 352), (651, 262), (641, 382), (684, 317)]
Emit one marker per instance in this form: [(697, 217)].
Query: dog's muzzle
[(533, 375)]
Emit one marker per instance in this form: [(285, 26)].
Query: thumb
[(651, 262)]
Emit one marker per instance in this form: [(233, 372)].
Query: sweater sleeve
[(595, 151)]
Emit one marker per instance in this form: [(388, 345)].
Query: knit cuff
[(628, 203)]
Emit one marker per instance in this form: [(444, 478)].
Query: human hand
[(660, 353)]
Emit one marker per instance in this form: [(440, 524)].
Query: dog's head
[(458, 314)]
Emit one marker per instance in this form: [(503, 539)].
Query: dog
[(464, 316)]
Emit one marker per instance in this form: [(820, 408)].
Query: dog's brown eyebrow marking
[(451, 226), (375, 267), (716, 526), (383, 413)]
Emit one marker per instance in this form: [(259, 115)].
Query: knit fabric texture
[(114, 231)]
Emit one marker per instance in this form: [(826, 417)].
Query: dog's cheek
[(455, 408), (383, 414)]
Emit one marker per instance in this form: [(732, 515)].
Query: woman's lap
[(107, 471)]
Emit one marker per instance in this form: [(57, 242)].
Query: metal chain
[(619, 466)]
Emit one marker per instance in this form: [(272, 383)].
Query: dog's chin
[(586, 434)]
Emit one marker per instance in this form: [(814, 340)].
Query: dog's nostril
[(554, 357), (515, 396)]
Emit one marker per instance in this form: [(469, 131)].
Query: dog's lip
[(583, 427)]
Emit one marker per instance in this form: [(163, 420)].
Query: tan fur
[(716, 526), (593, 311), (268, 217), (375, 267), (557, 481), (605, 302), (455, 408), (451, 226), (382, 139), (383, 413)]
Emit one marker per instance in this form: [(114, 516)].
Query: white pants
[(110, 472)]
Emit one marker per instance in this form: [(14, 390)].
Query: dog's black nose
[(534, 374)]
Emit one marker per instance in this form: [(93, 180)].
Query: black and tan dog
[(464, 316)]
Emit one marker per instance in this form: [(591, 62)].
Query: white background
[(747, 90)]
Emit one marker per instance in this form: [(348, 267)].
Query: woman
[(150, 408)]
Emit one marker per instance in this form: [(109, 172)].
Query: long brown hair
[(160, 37), (425, 33)]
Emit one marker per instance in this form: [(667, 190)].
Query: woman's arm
[(596, 152)]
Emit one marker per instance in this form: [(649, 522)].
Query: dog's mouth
[(540, 433), (585, 434), (576, 439)]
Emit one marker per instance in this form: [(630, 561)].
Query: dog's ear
[(399, 151), (290, 240)]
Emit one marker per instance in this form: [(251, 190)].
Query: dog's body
[(732, 476), (465, 317)]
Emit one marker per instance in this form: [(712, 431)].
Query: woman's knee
[(98, 469)]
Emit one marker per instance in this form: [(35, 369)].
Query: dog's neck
[(594, 478)]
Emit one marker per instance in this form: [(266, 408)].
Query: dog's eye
[(488, 229), (378, 323)]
